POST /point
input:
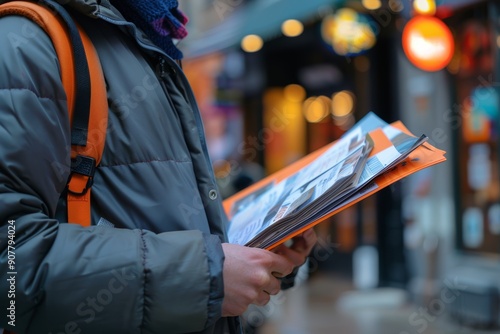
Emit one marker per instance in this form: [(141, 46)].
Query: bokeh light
[(316, 108), (295, 93), (292, 28), (428, 43), (424, 7), (349, 32), (252, 43), (342, 103), (372, 4)]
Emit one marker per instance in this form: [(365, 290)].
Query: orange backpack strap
[(83, 81)]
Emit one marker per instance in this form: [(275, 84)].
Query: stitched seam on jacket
[(32, 91), (145, 162)]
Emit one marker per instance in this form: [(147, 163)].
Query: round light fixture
[(428, 43)]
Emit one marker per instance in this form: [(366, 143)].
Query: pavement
[(326, 304)]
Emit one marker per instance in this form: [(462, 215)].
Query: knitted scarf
[(161, 20)]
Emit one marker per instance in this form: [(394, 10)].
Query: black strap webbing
[(81, 113)]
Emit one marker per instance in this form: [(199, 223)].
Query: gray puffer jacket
[(159, 269)]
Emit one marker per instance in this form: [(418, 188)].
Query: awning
[(457, 3), (264, 18), (444, 4), (260, 17)]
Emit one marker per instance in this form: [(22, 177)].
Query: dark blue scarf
[(161, 20)]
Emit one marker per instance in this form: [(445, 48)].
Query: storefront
[(475, 74), (475, 122)]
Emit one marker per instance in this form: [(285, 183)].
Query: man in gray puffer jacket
[(161, 263)]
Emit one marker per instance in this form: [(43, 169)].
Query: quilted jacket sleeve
[(64, 278)]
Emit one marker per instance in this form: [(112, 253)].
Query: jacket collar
[(93, 8), (103, 9)]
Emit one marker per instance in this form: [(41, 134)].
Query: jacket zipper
[(165, 68), (162, 71)]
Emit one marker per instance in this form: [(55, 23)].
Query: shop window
[(478, 103)]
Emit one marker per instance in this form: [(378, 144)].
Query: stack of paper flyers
[(369, 157)]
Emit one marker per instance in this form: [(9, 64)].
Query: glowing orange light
[(425, 7), (252, 43), (428, 43), (292, 28)]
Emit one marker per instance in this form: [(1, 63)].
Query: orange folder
[(422, 157)]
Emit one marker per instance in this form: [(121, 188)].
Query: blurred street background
[(278, 79)]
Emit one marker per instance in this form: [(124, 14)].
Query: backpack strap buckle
[(82, 174)]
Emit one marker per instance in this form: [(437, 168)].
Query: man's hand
[(300, 248), (251, 277)]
